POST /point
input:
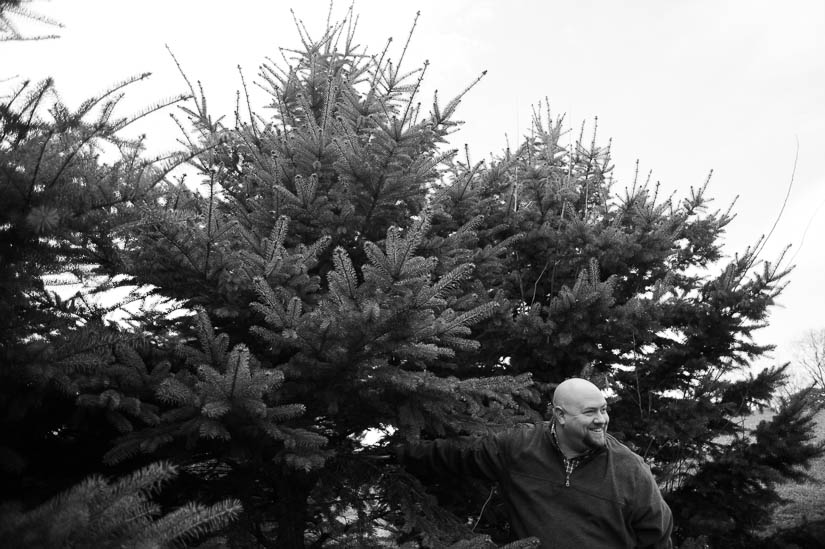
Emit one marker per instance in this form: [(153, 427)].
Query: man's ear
[(558, 413)]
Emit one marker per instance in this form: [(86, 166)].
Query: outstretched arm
[(466, 456)]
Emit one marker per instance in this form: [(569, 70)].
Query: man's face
[(585, 423)]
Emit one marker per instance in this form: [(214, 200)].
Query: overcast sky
[(685, 87)]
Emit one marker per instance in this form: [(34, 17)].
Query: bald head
[(581, 418), (573, 391)]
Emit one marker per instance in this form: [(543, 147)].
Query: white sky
[(685, 87)]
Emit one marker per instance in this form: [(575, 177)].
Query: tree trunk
[(292, 489)]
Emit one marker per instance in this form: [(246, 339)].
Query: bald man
[(566, 482)]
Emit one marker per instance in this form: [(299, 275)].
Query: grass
[(806, 500)]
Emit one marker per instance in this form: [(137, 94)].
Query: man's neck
[(569, 452), (565, 448)]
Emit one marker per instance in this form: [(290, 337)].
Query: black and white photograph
[(403, 275)]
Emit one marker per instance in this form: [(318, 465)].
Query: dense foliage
[(339, 277), (98, 514)]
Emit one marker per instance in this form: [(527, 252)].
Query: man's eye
[(594, 413)]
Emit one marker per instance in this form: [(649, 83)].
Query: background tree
[(60, 207), (60, 204), (812, 357)]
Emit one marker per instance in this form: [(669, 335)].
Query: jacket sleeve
[(482, 457), (651, 519)]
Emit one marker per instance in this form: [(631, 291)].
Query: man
[(568, 483)]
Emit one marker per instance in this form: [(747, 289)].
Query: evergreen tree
[(624, 288), (61, 206), (99, 514), (301, 250)]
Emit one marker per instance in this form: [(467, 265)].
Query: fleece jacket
[(609, 501)]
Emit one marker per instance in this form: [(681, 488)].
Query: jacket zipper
[(566, 473), (580, 464)]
